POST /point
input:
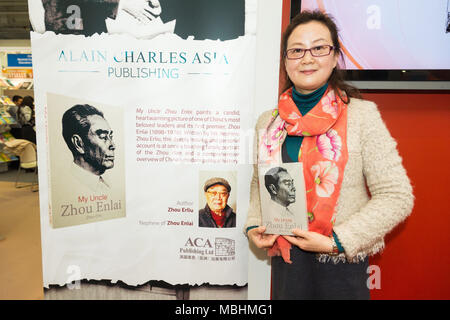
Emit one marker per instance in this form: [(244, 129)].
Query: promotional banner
[(145, 115)]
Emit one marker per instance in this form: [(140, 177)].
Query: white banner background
[(127, 249), (122, 249)]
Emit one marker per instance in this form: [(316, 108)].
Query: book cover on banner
[(283, 197), (86, 161)]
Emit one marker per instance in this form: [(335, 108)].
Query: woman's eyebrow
[(301, 43)]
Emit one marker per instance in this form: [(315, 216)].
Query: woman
[(27, 119), (344, 146), (16, 129)]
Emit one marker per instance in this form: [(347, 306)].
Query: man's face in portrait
[(217, 197), (99, 144), (286, 189)]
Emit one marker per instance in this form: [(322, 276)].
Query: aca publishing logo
[(224, 247), (204, 249)]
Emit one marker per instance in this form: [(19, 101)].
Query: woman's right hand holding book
[(260, 239)]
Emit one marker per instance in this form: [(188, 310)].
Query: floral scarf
[(323, 153)]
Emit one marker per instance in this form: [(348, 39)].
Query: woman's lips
[(308, 72)]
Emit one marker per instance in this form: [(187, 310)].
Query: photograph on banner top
[(200, 19), (86, 161), (283, 197)]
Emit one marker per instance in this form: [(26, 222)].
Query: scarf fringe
[(326, 258)]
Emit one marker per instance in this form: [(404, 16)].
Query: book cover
[(283, 197), (86, 161), (7, 101), (5, 154)]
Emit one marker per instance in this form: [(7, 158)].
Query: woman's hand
[(310, 241), (261, 240)]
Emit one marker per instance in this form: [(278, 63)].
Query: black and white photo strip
[(200, 19)]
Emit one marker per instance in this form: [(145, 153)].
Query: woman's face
[(310, 73)]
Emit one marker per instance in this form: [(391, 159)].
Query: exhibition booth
[(176, 94)]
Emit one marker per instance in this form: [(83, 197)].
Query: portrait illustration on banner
[(87, 180)]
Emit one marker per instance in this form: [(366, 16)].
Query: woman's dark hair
[(28, 101), (336, 80), (16, 98)]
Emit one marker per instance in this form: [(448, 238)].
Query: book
[(7, 101), (5, 154), (85, 190), (6, 118), (283, 197)]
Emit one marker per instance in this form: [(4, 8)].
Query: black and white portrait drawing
[(86, 161), (281, 188), (283, 198), (90, 139)]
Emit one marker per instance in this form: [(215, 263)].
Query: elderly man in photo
[(217, 213), (281, 188), (90, 139)]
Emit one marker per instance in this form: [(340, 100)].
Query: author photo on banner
[(87, 178), (283, 199), (218, 197)]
